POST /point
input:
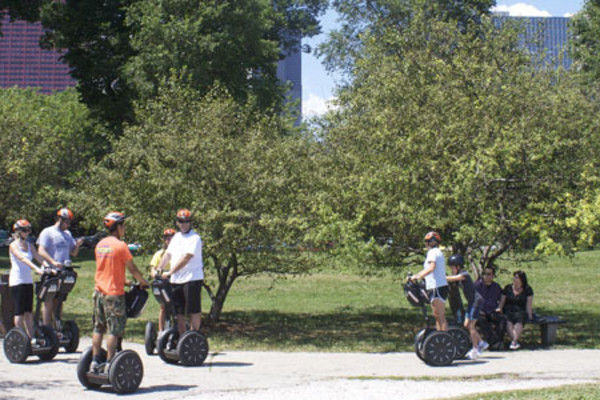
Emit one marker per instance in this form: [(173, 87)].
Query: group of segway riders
[(446, 343), (112, 305)]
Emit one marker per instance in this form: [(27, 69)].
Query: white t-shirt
[(438, 277), (180, 245), (20, 273), (57, 243)]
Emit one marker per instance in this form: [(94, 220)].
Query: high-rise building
[(545, 34), (24, 64)]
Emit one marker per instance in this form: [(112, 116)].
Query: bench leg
[(548, 332)]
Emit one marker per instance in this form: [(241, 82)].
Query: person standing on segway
[(56, 245), (434, 273), (112, 259), (474, 303), (156, 258), (186, 273), (20, 281)]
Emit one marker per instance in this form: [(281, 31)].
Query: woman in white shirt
[(20, 280), (434, 273)]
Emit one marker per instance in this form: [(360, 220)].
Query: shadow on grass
[(347, 329)]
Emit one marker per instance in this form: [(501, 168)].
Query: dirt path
[(236, 375)]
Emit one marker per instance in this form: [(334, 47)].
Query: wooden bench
[(548, 328)]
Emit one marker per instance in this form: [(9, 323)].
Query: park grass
[(568, 392), (346, 312)]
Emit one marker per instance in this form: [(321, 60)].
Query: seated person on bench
[(491, 323), (516, 303)]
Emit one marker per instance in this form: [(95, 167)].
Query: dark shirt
[(491, 295), (516, 303)]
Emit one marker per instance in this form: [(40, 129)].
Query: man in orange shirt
[(112, 259)]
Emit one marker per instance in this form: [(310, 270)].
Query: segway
[(67, 332), (125, 371), (17, 345), (189, 349), (434, 347), (161, 289)]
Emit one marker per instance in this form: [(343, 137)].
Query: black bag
[(135, 301), (415, 293)]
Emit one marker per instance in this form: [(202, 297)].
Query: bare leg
[(161, 318), (439, 313), (475, 337), (518, 330), (47, 312), (181, 323), (96, 344), (195, 320), (111, 346)]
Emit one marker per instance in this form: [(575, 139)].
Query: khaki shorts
[(109, 314)]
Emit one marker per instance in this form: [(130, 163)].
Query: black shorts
[(438, 293), (186, 297), (22, 296)]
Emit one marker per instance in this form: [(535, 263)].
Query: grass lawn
[(575, 392), (328, 311)]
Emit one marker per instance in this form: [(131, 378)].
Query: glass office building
[(549, 35)]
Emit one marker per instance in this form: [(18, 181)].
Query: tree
[(371, 18), (462, 133), (120, 50), (246, 177), (585, 39), (46, 142)]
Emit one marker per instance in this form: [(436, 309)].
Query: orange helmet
[(184, 215), (113, 219), (65, 213), (168, 232), (433, 236), (22, 224)]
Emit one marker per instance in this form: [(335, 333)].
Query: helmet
[(21, 224), (456, 259), (184, 215), (114, 218), (65, 213), (433, 236), (168, 232)]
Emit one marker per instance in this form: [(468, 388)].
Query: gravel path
[(234, 375)]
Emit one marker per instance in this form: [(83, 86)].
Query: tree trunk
[(227, 275)]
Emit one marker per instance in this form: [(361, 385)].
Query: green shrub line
[(346, 312)]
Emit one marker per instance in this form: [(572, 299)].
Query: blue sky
[(318, 85)]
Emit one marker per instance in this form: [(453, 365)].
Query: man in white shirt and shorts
[(186, 273)]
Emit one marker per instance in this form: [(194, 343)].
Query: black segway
[(189, 349), (17, 345), (161, 289), (433, 347), (67, 332), (125, 371)]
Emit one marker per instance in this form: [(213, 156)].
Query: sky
[(318, 85)]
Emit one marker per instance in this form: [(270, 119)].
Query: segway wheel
[(83, 366), (462, 339), (126, 372), (17, 346), (439, 349), (192, 349), (166, 341), (48, 334), (150, 338), (419, 339), (71, 330)]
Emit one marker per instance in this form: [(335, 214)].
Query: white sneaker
[(473, 354), (483, 345)]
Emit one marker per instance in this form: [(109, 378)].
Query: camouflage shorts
[(109, 313)]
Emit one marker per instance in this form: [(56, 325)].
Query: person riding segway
[(435, 347), (186, 275), (123, 370), (28, 337)]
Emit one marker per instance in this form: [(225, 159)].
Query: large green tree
[(247, 178), (46, 142), (120, 50), (462, 133), (585, 39), (360, 19)]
